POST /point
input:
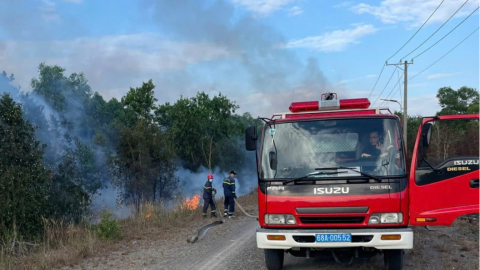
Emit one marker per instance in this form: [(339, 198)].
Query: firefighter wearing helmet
[(208, 197)]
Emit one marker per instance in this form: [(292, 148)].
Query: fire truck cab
[(333, 180)]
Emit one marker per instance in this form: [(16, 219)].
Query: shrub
[(108, 227)]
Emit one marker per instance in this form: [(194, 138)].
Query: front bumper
[(406, 241)]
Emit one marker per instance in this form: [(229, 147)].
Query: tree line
[(62, 142)]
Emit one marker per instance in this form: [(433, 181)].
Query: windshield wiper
[(306, 177), (346, 168)]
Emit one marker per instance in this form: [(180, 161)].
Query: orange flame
[(148, 215), (192, 203)]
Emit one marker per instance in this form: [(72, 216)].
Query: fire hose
[(203, 230), (200, 234), (241, 208)]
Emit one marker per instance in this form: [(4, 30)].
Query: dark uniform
[(229, 192), (372, 151), (208, 199)]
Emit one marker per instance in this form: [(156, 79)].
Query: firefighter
[(208, 197), (375, 147), (229, 192)]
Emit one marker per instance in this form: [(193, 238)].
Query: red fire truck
[(333, 180)]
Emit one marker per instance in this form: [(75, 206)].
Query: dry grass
[(61, 245), (67, 245)]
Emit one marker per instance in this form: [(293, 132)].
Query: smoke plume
[(266, 74)]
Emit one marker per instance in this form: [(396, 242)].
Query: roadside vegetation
[(69, 244), (62, 143)]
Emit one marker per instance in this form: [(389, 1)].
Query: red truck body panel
[(448, 199)]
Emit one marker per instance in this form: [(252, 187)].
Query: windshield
[(370, 145)]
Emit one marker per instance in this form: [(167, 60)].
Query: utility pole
[(405, 115), (405, 81)]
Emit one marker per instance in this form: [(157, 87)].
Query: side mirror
[(273, 160), (426, 134), (251, 138)]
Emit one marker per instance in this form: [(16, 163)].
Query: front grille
[(331, 220)]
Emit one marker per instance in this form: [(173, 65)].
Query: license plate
[(333, 237)]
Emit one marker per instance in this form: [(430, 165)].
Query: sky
[(263, 54)]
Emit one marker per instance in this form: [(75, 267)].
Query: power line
[(378, 78), (446, 34), (399, 78), (399, 90), (400, 93), (393, 89), (417, 30), (436, 30), (393, 73), (445, 54)]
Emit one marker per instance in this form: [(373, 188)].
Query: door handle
[(474, 183)]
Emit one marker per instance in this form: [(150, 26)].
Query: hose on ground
[(203, 230), (241, 208)]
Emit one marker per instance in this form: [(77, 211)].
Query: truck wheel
[(274, 259), (393, 259)]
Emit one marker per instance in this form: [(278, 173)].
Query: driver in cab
[(375, 146)]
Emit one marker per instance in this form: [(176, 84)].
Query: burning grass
[(67, 245)]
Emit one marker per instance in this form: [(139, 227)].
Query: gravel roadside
[(233, 246)]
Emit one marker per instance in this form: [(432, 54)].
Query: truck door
[(444, 171)]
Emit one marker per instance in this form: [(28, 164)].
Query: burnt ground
[(232, 246)]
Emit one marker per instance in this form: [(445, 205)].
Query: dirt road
[(233, 246)]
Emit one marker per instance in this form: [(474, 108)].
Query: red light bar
[(307, 106), (344, 104), (355, 103)]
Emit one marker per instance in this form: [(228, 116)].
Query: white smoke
[(108, 199), (192, 183)]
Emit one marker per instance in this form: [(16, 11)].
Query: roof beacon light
[(354, 103), (329, 101)]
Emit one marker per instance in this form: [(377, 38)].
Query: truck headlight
[(385, 218), (274, 219)]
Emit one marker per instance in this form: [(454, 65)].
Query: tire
[(274, 259), (393, 259)]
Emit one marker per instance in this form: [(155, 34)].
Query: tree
[(140, 101), (473, 108), (413, 123), (24, 182), (6, 87), (461, 101), (68, 200), (7, 78), (60, 92), (145, 164), (76, 117), (197, 126)]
